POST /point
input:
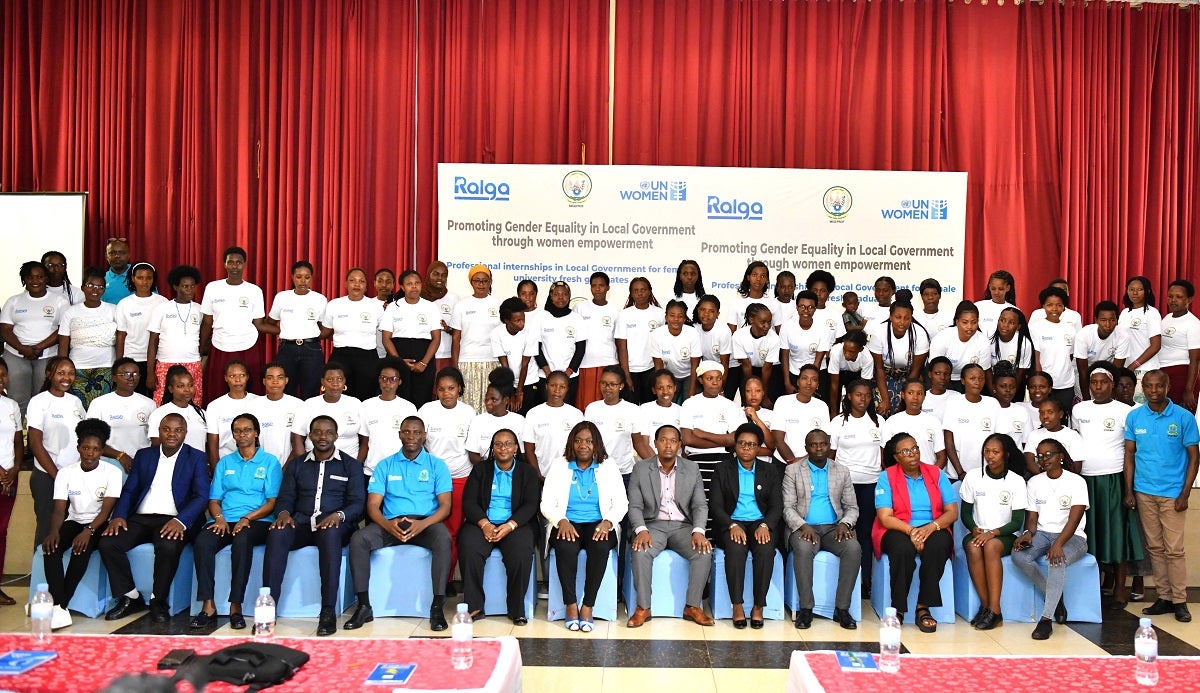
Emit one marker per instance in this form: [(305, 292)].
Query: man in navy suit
[(163, 502)]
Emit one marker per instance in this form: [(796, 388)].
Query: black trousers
[(63, 585), (41, 488), (414, 387), (303, 364), (902, 556), (362, 370), (643, 384), (762, 563), (517, 551), (567, 560), (865, 495), (329, 543), (144, 529), (241, 554)]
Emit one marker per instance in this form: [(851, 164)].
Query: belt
[(301, 342)]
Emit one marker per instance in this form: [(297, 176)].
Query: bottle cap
[(43, 587), (264, 591), (1144, 622), (890, 611), (462, 608)]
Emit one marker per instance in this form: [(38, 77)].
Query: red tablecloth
[(86, 663), (813, 672)]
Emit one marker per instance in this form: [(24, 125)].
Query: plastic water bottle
[(1145, 649), (462, 630), (889, 642), (264, 615), (40, 612)]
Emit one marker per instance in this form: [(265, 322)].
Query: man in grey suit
[(668, 510), (820, 509)]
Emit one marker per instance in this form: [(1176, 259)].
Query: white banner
[(550, 223)]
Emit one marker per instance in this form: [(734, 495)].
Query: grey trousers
[(436, 538), (25, 378), (676, 536), (1054, 580), (849, 553)]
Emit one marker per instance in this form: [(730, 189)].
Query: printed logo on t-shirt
[(423, 476), (422, 319), (812, 349), (462, 431), (47, 311), (1005, 497), (142, 417), (260, 473), (1069, 339), (1064, 502), (350, 420), (290, 418), (929, 435), (1169, 332), (816, 422), (1135, 323), (762, 353), (620, 426), (716, 350), (243, 301), (493, 313), (829, 323), (975, 359), (606, 321), (445, 308), (566, 425), (1011, 358), (1016, 426), (1173, 430), (875, 435), (986, 424), (397, 422), (364, 317), (685, 352), (1110, 424), (310, 314), (570, 332), (100, 493), (195, 320)]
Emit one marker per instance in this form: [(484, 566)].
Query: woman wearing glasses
[(88, 334)]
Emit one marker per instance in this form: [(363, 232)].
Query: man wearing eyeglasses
[(117, 254)]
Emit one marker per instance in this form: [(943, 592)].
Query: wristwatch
[(848, 526)]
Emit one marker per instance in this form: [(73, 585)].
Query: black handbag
[(257, 665)]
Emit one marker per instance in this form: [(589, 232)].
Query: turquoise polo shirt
[(918, 496), (410, 487), (747, 506), (583, 503), (1162, 441), (500, 506), (820, 509), (242, 486), (114, 286)]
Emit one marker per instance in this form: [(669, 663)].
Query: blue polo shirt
[(583, 504), (1162, 441), (114, 286), (500, 506), (410, 487), (820, 509), (243, 485), (747, 506), (918, 496)]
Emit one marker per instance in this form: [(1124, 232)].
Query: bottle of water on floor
[(41, 610), (1145, 650), (889, 642), (462, 630), (264, 615)]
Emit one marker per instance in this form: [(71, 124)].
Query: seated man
[(668, 510), (408, 497), (163, 502), (325, 489), (820, 509)]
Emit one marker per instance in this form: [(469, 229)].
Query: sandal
[(925, 621)]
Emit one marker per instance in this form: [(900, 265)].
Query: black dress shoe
[(843, 618), (1043, 630), (203, 620), (128, 607), (804, 619), (1159, 607), (989, 621), (1060, 613), (326, 624), (519, 620), (739, 623), (757, 623), (362, 614), (159, 611), (237, 621), (979, 614), (1182, 614), (437, 619)]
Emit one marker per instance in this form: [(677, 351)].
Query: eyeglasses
[(389, 378), (908, 452), (95, 287), (122, 240), (124, 374), (1042, 457), (504, 444), (746, 444)]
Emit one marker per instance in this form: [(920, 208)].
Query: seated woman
[(1057, 501), (243, 492), (993, 509), (84, 496), (584, 500), (746, 507), (914, 509), (500, 503)]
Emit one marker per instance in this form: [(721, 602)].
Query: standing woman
[(783, 308), (802, 342), (10, 464), (126, 411), (297, 314), (746, 508), (716, 340), (757, 406), (473, 320), (755, 348), (180, 400), (1180, 354), (584, 501), (964, 344), (939, 394), (561, 338), (616, 419), (175, 335), (753, 289), (675, 346), (58, 282), (29, 326), (547, 425), (385, 289), (599, 317), (436, 293), (1016, 420), (447, 422), (52, 416), (133, 318), (641, 316), (1012, 343), (221, 411), (1054, 346), (88, 334), (925, 428), (352, 321), (854, 443), (381, 418), (1038, 385), (1001, 292), (345, 409), (932, 317), (515, 351), (497, 415), (689, 284), (898, 351), (412, 334), (1054, 426), (971, 418), (663, 411), (849, 360), (1145, 329)]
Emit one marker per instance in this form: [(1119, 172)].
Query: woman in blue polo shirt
[(241, 501)]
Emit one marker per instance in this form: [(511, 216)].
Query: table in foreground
[(815, 672), (87, 663)]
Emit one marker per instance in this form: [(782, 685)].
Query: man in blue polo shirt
[(408, 497), (1161, 444)]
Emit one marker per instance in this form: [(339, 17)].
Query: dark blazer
[(189, 483), (768, 492), (526, 492), (344, 488)]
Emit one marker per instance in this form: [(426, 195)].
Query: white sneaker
[(59, 618)]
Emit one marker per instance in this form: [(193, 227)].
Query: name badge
[(334, 477)]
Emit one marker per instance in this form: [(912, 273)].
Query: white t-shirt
[(446, 434), (831, 318), (276, 418), (411, 320), (1008, 351), (742, 302), (1069, 316), (197, 430), (298, 314), (515, 347), (782, 312), (676, 352), (1089, 345), (484, 426), (133, 318), (993, 500), (599, 327), (617, 424), (797, 419), (757, 350), (34, 319), (354, 323), (347, 411), (1017, 422), (989, 315), (1142, 324), (445, 310), (715, 342), (1102, 428), (634, 325), (715, 415), (558, 337), (56, 418), (863, 364), (915, 341), (93, 333), (1052, 500), (926, 429), (935, 323), (10, 425), (1069, 439), (547, 428), (476, 318), (652, 417), (85, 491), (936, 404), (1179, 336), (971, 423), (856, 442), (219, 418), (178, 330), (977, 349), (803, 345), (1055, 344), (128, 417), (381, 422), (234, 308), (873, 312)]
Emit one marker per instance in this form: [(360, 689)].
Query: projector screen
[(31, 224)]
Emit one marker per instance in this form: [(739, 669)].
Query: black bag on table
[(257, 665)]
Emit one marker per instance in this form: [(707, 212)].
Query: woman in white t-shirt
[(716, 340), (924, 428), (898, 350), (756, 406), (963, 344), (1015, 419), (561, 338), (298, 313), (333, 401), (616, 419), (180, 393), (1054, 426), (939, 394), (854, 441), (931, 316), (384, 282), (1179, 357), (755, 348), (641, 316), (381, 418), (514, 349), (447, 422), (88, 334), (1144, 325), (352, 322), (52, 416), (795, 416), (599, 317), (1054, 346), (849, 360), (29, 326), (753, 289), (126, 412), (802, 341), (473, 320), (1013, 344), (412, 334), (496, 415), (689, 284), (993, 501), (663, 411), (969, 419), (133, 318), (175, 335), (1001, 293), (434, 291), (548, 424), (675, 346), (10, 464), (221, 412)]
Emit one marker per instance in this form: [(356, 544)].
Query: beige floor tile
[(741, 680), (660, 629), (573, 679), (665, 679), (1015, 638)]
